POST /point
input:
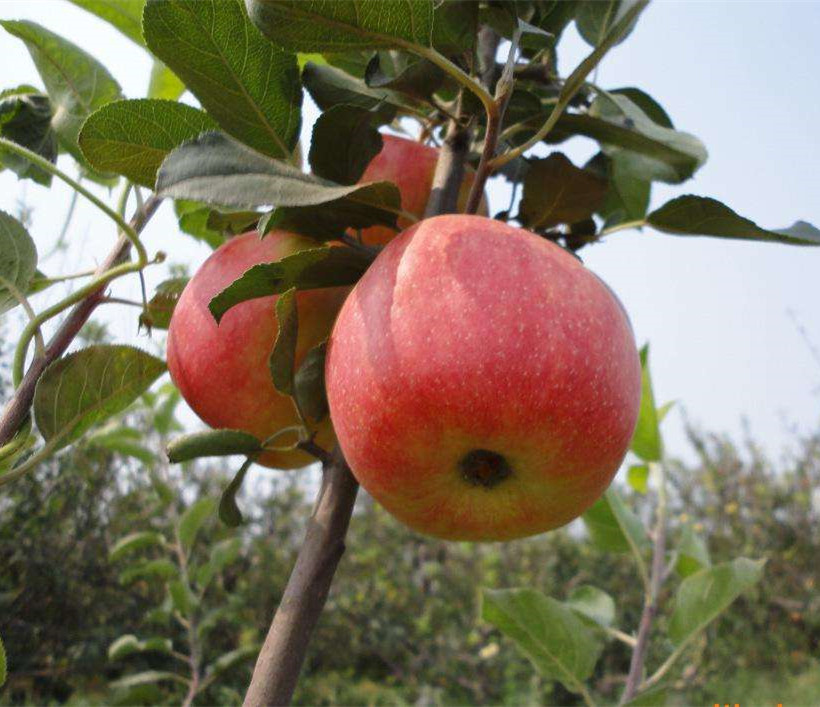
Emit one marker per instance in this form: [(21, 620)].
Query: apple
[(410, 165), (222, 370), (483, 384)]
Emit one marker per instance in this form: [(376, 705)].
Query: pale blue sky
[(739, 75)]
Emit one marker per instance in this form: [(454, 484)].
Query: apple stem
[(280, 660)]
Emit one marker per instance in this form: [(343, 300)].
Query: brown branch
[(280, 660), (650, 609), (18, 406), (449, 172)]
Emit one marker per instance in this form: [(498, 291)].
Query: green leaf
[(212, 443), (229, 512), (135, 541), (309, 384), (664, 409), (647, 104), (655, 697), (556, 641), (343, 25), (248, 86), (328, 266), (85, 387), (455, 27), (646, 440), (613, 526), (125, 15), (133, 137), (146, 677), (192, 217), (224, 553), (25, 118), (691, 215), (161, 306), (18, 260), (229, 660), (593, 603), (161, 568), (76, 82), (122, 440), (344, 142), (416, 78), (164, 83), (281, 360), (556, 191), (595, 19), (627, 198), (3, 664), (218, 170), (182, 597), (193, 519), (329, 86), (693, 555), (129, 644), (702, 596), (232, 222), (638, 477)]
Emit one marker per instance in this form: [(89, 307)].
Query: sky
[(727, 322)]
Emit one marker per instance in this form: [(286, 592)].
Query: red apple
[(222, 370), (410, 166), (483, 384)]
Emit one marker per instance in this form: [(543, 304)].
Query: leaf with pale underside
[(124, 15), (18, 260), (218, 170), (88, 386), (343, 25), (691, 215), (595, 18), (133, 137), (329, 86), (328, 266), (212, 443), (76, 82), (556, 191), (613, 526), (247, 85), (281, 361)]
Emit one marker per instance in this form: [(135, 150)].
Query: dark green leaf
[(693, 555), (229, 512), (85, 387), (647, 104), (132, 138), (125, 15), (593, 603), (627, 197), (221, 171), (182, 598), (329, 86), (129, 644), (655, 697), (232, 223), (344, 142), (702, 596), (146, 677), (135, 541), (229, 660), (161, 568), (212, 443), (556, 641), (281, 360), (164, 84), (556, 191), (646, 440), (18, 260), (455, 26), (691, 215), (343, 25), (2, 663), (122, 440), (329, 266), (244, 83), (222, 554), (595, 19), (309, 384), (417, 78), (161, 306), (193, 519), (193, 218), (613, 526), (76, 82), (25, 118)]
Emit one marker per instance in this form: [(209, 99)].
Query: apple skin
[(483, 384), (410, 165), (222, 370)]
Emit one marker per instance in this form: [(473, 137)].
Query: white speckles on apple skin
[(466, 333)]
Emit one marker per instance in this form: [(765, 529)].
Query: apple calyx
[(482, 467)]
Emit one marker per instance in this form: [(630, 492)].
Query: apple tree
[(421, 102)]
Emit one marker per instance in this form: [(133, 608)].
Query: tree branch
[(280, 660), (449, 172), (18, 406), (635, 677)]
